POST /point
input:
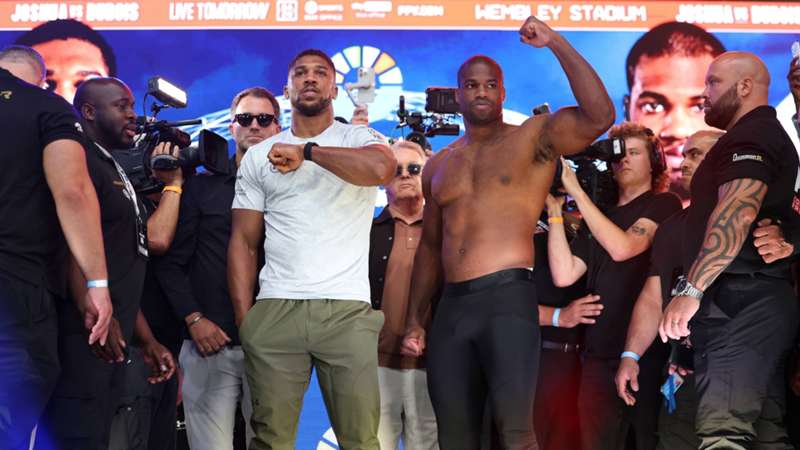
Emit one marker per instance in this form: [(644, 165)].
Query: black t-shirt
[(549, 295), (757, 147), (665, 254), (30, 119), (618, 283)]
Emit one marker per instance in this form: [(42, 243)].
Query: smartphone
[(795, 49)]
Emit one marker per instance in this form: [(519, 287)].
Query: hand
[(172, 177), (580, 311), (682, 371), (414, 341), (536, 33), (207, 336), (570, 181), (113, 350), (628, 372), (770, 242), (160, 362), (286, 157), (554, 205), (794, 81), (97, 311), (675, 320), (360, 115)]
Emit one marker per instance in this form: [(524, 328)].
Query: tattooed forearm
[(639, 230), (728, 226)]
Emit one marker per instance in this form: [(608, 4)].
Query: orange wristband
[(176, 189)]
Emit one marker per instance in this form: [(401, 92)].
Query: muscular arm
[(643, 328), (727, 229), (247, 228), (620, 244), (427, 274), (366, 166), (161, 224)]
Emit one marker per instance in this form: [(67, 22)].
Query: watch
[(307, 150), (684, 288)]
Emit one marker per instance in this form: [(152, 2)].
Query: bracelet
[(97, 284), (176, 189), (632, 355), (556, 313), (307, 150), (195, 320), (555, 219)]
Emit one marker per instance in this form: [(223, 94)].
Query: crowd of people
[(478, 310)]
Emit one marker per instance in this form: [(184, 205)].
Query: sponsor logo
[(738, 157), (287, 10)]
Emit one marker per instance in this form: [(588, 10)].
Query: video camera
[(441, 104), (593, 171), (211, 150)]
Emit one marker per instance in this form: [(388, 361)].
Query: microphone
[(401, 111)]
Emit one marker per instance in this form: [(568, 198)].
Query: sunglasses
[(245, 119), (413, 169)]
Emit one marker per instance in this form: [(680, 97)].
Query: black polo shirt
[(618, 283), (30, 119), (757, 147), (665, 254), (193, 273)]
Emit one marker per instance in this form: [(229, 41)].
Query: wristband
[(555, 219), (195, 320), (176, 189), (556, 313), (632, 355), (97, 284), (307, 150)]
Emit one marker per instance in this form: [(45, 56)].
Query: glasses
[(245, 119), (413, 170)]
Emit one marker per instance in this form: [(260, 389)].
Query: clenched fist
[(286, 157), (536, 33)]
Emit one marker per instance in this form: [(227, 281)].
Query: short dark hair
[(625, 130), (23, 53), (312, 52), (672, 38), (70, 29), (258, 92), (483, 59)]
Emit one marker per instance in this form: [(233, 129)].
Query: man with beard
[(193, 276), (80, 412), (665, 70), (483, 198), (743, 312), (313, 188)]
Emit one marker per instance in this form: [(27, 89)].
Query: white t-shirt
[(316, 224)]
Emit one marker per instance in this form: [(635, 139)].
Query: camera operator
[(193, 276), (743, 312), (79, 414), (614, 259), (676, 423), (43, 183)]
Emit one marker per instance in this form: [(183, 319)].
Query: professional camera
[(210, 151), (442, 108), (592, 168)]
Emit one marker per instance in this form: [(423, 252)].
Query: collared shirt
[(30, 119), (396, 289), (193, 273)]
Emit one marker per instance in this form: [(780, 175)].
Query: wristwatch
[(685, 288)]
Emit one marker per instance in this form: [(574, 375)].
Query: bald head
[(93, 90), (694, 152), (106, 107), (745, 66), (736, 83), (24, 63)]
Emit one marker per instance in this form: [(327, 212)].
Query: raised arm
[(565, 267), (570, 130), (247, 228), (727, 228), (78, 211), (161, 224)]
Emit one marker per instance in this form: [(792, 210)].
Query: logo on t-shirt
[(738, 157), (78, 127)]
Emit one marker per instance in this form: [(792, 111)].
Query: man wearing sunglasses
[(193, 276), (310, 192), (483, 197), (406, 411)]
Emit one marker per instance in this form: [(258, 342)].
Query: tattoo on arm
[(728, 227), (544, 151), (638, 230)]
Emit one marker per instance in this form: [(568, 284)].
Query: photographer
[(614, 259), (193, 276), (79, 414)]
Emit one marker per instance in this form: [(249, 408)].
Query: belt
[(487, 281), (561, 346)]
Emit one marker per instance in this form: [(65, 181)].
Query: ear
[(230, 127), (335, 90), (744, 87), (88, 112), (286, 92), (626, 106)]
